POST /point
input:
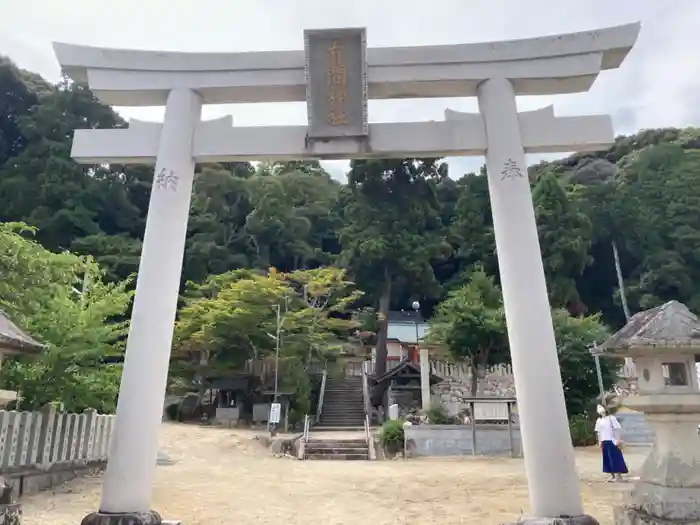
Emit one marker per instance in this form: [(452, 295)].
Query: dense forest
[(401, 229)]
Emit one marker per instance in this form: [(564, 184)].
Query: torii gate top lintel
[(566, 63)]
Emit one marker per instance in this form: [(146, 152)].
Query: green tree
[(392, 231), (471, 229), (79, 327), (575, 336), (231, 318), (217, 241), (565, 235), (470, 324)]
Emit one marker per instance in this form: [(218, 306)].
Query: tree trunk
[(384, 301), (479, 369), (380, 392), (474, 378), (200, 375)]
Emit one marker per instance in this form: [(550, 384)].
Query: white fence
[(447, 370), (42, 439)]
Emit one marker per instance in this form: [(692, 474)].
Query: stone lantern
[(664, 343)]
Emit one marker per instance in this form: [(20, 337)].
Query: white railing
[(321, 395), (301, 453), (365, 389), (43, 439), (371, 452), (307, 426)]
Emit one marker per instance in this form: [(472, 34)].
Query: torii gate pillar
[(134, 446), (546, 440)]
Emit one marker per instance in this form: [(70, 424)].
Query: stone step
[(335, 451), (343, 421), (350, 394), (338, 423), (338, 428), (345, 457), (336, 443)]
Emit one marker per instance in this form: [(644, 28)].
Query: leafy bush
[(391, 435), (582, 430), (437, 415)]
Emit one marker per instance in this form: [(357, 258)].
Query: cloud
[(656, 86)]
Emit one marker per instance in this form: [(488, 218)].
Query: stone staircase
[(339, 449), (343, 406)]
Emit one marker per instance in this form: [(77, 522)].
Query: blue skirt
[(613, 460)]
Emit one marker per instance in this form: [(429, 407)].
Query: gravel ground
[(225, 477)]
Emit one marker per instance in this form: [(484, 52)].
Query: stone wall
[(455, 389), (457, 440), (497, 382)]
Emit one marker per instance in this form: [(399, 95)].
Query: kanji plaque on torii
[(336, 83)]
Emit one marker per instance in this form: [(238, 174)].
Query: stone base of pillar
[(137, 518), (10, 514), (648, 504), (570, 520), (632, 516)]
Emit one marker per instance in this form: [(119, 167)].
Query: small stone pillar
[(664, 343), (10, 511), (425, 378), (10, 514)]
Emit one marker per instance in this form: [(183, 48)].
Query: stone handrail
[(365, 390), (321, 395)]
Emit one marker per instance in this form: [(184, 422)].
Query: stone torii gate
[(335, 75)]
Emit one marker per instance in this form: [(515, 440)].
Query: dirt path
[(225, 477)]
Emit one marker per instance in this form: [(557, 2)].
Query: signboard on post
[(275, 413), (336, 83)]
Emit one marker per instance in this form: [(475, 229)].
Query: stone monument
[(10, 510), (664, 343), (335, 75)]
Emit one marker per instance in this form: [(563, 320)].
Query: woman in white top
[(608, 429)]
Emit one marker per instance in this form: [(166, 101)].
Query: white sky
[(657, 86)]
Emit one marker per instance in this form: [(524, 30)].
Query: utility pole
[(620, 282), (278, 343), (599, 373), (278, 334), (629, 362)]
